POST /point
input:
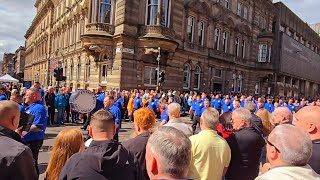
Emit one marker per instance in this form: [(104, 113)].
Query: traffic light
[(161, 77), (58, 74)]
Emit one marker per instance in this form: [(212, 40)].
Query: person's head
[(217, 97), (50, 89), (9, 115), (151, 97), (16, 98), (290, 101), (206, 103), (14, 91), (102, 125), (23, 91), (227, 101), (209, 119), (225, 121), (288, 145), (308, 119), (269, 100), (168, 154), (144, 119), (281, 115), (266, 120), (33, 95), (227, 96), (108, 101), (303, 103), (99, 89), (67, 143), (203, 95), (199, 98), (174, 110), (236, 104), (250, 106), (280, 101), (3, 89), (62, 90), (37, 85), (137, 95), (170, 99), (241, 118), (276, 105)]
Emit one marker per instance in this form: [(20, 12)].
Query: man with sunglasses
[(288, 151), (308, 119)]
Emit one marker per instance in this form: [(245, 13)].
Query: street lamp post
[(158, 69)]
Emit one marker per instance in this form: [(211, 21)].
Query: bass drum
[(83, 101)]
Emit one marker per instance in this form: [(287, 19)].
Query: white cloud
[(15, 17)]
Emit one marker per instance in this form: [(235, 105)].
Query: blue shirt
[(156, 102), (119, 103), (269, 107), (227, 108), (115, 111), (41, 92), (100, 99), (198, 108), (280, 105), (21, 107), (193, 105), (152, 105), (40, 120), (290, 107), (60, 100), (217, 104), (137, 103), (243, 103), (3, 97), (164, 115)]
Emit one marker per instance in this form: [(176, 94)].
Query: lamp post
[(158, 69)]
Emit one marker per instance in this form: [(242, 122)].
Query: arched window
[(88, 71), (197, 77), (79, 72), (186, 76), (65, 69), (71, 72)]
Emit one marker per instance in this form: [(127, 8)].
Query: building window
[(197, 78), (150, 76), (218, 73), (152, 12), (225, 42), (103, 73), (166, 13), (264, 53), (186, 76), (79, 72), (65, 69), (217, 38), (240, 84), (201, 33), (226, 4), (190, 29), (71, 72), (245, 12), (243, 49), (105, 11), (239, 9), (93, 10), (237, 47), (88, 72), (82, 24), (257, 88)]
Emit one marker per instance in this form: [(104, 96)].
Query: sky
[(16, 17)]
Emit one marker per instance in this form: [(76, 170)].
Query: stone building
[(212, 45), (8, 64), (316, 28), (296, 55), (18, 63)]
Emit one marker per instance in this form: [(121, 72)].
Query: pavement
[(126, 132)]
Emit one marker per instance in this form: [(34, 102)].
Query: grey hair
[(210, 118), (173, 148), (250, 106), (294, 144), (173, 108), (243, 114)]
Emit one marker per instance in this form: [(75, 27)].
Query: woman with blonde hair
[(266, 121), (68, 142)]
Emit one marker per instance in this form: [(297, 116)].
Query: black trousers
[(195, 122), (67, 113), (35, 148), (51, 111), (192, 114)]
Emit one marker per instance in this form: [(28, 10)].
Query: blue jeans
[(60, 115)]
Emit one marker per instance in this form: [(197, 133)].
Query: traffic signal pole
[(158, 69)]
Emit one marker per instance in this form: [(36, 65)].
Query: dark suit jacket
[(246, 146)]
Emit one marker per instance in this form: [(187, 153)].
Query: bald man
[(288, 151), (281, 115), (16, 161), (308, 119)]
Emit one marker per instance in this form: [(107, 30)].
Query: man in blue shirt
[(290, 105), (110, 105), (206, 104), (227, 106), (152, 104), (3, 95), (118, 101), (197, 113), (100, 99), (34, 138), (18, 99), (281, 104), (38, 86), (192, 107), (269, 106), (137, 104), (218, 103)]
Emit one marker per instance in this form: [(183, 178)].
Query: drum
[(83, 101)]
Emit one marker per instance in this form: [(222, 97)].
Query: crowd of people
[(231, 137)]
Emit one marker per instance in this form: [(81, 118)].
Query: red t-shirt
[(225, 134)]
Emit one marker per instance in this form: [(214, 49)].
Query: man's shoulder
[(135, 144), (16, 148)]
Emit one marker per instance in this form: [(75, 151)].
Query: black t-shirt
[(315, 158)]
